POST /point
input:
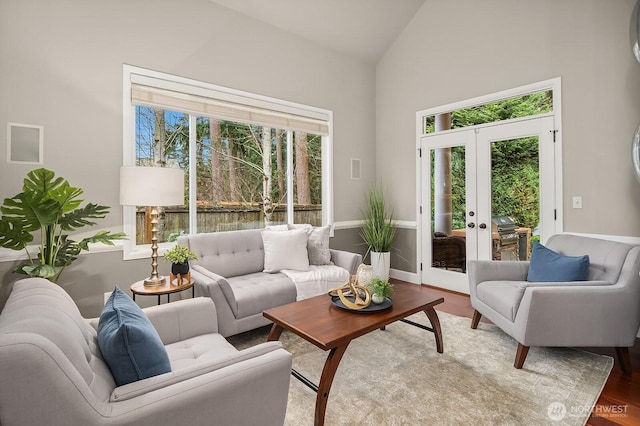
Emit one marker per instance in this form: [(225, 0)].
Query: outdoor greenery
[(179, 254), (377, 229), (50, 208), (514, 163), (237, 164)]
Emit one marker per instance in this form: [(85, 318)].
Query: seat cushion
[(548, 266), (129, 343), (199, 349), (504, 297), (253, 293)]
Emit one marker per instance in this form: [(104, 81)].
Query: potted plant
[(179, 256), (378, 231), (380, 290), (50, 207)]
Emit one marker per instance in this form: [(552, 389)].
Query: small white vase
[(380, 262), (377, 299), (364, 274)]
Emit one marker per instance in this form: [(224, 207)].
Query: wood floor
[(619, 403)]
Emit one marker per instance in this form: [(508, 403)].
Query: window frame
[(131, 74)]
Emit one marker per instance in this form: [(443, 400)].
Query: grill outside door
[(505, 238)]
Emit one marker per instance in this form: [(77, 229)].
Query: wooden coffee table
[(332, 329)]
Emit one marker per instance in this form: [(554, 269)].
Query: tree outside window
[(241, 172)]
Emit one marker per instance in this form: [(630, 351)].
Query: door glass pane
[(515, 197), (448, 205)]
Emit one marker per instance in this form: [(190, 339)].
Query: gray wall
[(457, 50), (61, 67)]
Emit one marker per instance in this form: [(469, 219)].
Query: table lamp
[(152, 187)]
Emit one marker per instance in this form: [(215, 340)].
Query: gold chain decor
[(354, 290)]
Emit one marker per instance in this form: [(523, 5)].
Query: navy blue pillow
[(129, 343), (548, 266)]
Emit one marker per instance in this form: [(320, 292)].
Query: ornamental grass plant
[(377, 229)]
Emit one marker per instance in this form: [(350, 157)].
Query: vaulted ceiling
[(360, 28)]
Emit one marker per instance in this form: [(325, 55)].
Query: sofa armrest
[(592, 315), (141, 387), (209, 284), (183, 319), (347, 260), (489, 270)]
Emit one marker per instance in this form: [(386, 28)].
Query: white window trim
[(133, 74)]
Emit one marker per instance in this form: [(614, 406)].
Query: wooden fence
[(224, 218)]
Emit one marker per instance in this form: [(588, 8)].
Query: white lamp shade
[(151, 186)]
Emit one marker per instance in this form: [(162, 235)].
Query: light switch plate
[(577, 202)]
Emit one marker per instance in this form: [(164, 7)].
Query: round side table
[(171, 285)]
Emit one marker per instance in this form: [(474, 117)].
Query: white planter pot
[(380, 263), (377, 299)]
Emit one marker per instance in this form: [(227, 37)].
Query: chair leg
[(624, 359), (476, 319), (521, 355)]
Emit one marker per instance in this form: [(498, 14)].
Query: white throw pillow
[(305, 226), (285, 250), (277, 227), (318, 246)]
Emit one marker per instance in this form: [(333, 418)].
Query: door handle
[(471, 225), (482, 226)]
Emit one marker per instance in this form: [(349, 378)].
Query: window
[(249, 161), (539, 102)]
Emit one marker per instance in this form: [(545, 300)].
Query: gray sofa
[(229, 270), (52, 371), (603, 311)]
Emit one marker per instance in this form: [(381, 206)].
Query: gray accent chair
[(603, 311), (52, 371)]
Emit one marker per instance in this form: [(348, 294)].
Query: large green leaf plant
[(50, 206)]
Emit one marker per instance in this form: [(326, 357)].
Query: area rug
[(396, 377)]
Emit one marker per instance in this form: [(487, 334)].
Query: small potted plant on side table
[(179, 256), (380, 290)]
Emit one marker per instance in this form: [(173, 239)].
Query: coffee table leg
[(275, 333), (435, 324), (328, 372)]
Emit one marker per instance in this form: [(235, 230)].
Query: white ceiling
[(360, 28)]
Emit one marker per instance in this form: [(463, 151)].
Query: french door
[(473, 181)]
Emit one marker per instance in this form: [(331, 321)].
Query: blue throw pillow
[(548, 266), (129, 343)]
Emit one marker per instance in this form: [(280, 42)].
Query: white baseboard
[(410, 277)]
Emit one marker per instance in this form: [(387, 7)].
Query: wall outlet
[(577, 202)]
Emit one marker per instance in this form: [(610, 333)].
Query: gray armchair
[(603, 311), (53, 372)]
